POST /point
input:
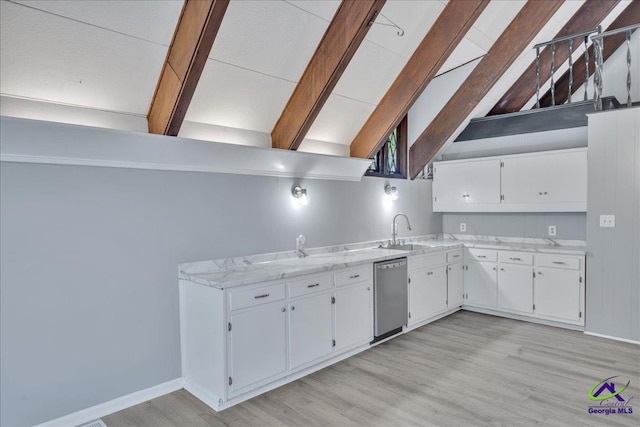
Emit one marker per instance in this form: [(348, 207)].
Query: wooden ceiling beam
[(340, 42), (629, 16), (511, 43), (434, 50), (192, 41), (590, 14)]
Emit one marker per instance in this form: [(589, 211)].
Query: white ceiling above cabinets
[(106, 62), (106, 57)]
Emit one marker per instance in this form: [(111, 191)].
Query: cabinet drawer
[(454, 256), (515, 257), (558, 261), (427, 260), (481, 254), (248, 298), (353, 275), (309, 285)]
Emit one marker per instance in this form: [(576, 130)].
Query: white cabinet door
[(480, 284), (549, 178), (515, 288), (353, 315), (310, 329), (557, 294), (427, 293), (258, 345), (455, 285), (457, 186)]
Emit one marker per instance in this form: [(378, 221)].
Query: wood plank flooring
[(468, 369)]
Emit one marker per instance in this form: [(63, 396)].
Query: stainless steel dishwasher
[(390, 310)]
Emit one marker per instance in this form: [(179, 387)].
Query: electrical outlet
[(552, 230), (608, 221), (463, 226)]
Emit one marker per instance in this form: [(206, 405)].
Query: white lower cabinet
[(558, 294), (543, 286), (480, 284), (427, 293), (242, 341), (353, 316), (455, 285), (515, 288), (258, 331), (310, 329), (435, 284)]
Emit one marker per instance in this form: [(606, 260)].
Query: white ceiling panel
[(414, 17), (270, 37), (324, 9), (43, 56), (153, 20), (496, 17), (340, 120), (238, 98), (370, 73), (463, 53)]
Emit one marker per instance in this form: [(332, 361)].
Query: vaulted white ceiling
[(107, 56)]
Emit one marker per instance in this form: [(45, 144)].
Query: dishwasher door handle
[(392, 265)]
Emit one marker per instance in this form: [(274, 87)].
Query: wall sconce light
[(391, 192), (300, 194)]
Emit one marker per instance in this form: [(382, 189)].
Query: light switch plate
[(608, 221), (463, 226), (552, 230)]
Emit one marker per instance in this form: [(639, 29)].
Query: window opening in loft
[(391, 160)]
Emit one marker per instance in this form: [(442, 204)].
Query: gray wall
[(613, 254), (89, 255), (569, 225)]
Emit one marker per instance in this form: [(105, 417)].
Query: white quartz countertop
[(230, 272)]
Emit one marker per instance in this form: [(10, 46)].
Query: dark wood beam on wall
[(590, 14), (515, 38), (192, 41), (434, 50), (629, 16), (340, 42)]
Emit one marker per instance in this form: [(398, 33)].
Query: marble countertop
[(230, 272)]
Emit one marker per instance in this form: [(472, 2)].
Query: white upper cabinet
[(468, 184), (551, 181)]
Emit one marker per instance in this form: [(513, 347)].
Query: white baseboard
[(593, 334), (118, 404)]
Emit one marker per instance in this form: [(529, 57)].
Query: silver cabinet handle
[(481, 256), (261, 296), (429, 273), (355, 276), (515, 259), (559, 262), (494, 269), (293, 307), (540, 273), (502, 269), (455, 256), (313, 286), (284, 309), (368, 288)]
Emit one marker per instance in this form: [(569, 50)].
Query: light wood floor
[(466, 369)]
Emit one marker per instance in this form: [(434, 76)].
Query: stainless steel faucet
[(394, 228)]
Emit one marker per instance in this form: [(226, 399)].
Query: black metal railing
[(598, 43)]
